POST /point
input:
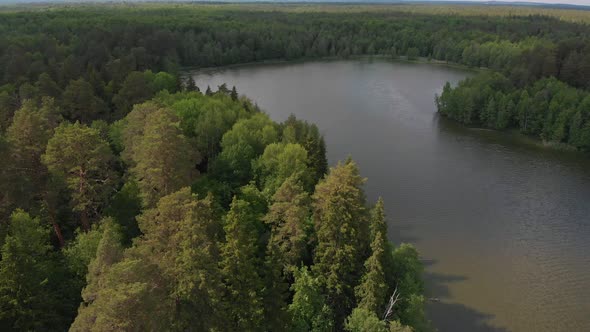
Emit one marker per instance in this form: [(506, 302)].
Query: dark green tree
[(31, 279)]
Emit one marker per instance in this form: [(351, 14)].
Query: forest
[(132, 200)]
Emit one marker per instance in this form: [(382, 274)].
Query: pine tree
[(124, 291), (164, 159), (78, 154), (342, 231), (133, 127), (132, 296)]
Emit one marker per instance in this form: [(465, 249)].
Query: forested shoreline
[(98, 51), (131, 200)]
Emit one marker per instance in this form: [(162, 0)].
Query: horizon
[(482, 2)]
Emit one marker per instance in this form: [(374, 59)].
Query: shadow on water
[(437, 283), (401, 233), (455, 317), (512, 140), (452, 317)]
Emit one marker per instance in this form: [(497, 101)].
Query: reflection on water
[(502, 223)]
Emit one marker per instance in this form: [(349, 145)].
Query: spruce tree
[(287, 217), (372, 292), (234, 93), (378, 228), (240, 265), (190, 84), (342, 230), (181, 236)]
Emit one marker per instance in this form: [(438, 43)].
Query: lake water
[(503, 226)]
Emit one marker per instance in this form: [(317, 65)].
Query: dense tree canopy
[(129, 200)]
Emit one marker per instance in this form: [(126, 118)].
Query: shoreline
[(420, 60), (530, 141), (510, 133)]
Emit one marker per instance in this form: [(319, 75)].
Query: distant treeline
[(97, 52)]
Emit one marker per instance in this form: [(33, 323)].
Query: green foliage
[(27, 137), (131, 297), (80, 103), (364, 320), (408, 275), (31, 294), (240, 265), (288, 217), (244, 142), (207, 120), (137, 88), (180, 236), (191, 265), (279, 162), (372, 291), (80, 252), (548, 109), (308, 136), (308, 309), (342, 230), (124, 207), (164, 158), (83, 159)]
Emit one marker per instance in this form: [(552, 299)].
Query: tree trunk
[(53, 221), (84, 221)]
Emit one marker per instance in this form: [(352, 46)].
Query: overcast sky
[(573, 2)]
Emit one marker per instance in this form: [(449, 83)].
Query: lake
[(503, 225)]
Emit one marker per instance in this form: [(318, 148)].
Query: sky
[(571, 2)]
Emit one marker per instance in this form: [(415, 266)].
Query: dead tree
[(395, 297)]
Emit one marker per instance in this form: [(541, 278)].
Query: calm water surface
[(503, 226)]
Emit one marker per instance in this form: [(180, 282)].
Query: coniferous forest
[(130, 200)]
